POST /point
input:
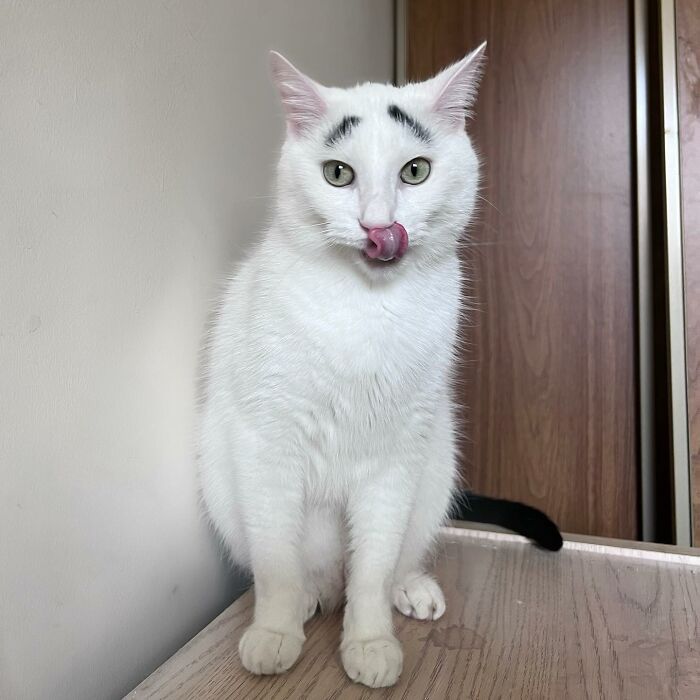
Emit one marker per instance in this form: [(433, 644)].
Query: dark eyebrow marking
[(342, 130), (399, 116)]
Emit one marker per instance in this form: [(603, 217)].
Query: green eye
[(415, 171), (338, 174)]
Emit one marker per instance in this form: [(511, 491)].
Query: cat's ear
[(455, 88), (301, 97)]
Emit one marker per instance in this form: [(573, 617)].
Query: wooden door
[(548, 380)]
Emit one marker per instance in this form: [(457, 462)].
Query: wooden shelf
[(595, 620)]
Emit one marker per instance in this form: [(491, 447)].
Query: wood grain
[(688, 46), (594, 621), (548, 382)]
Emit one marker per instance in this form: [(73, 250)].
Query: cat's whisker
[(482, 198)]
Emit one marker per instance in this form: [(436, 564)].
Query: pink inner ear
[(301, 99), (303, 107), (458, 87)]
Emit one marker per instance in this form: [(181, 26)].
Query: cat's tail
[(511, 515)]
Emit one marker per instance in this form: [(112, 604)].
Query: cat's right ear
[(301, 97)]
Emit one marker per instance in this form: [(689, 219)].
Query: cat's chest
[(346, 367), (363, 333), (364, 372)]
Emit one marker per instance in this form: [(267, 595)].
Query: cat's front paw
[(419, 596), (375, 662), (264, 651)]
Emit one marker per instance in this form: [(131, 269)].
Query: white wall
[(137, 140)]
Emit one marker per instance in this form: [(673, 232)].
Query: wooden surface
[(688, 43), (594, 621), (548, 384)]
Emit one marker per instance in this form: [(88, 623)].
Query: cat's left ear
[(301, 97), (455, 88)]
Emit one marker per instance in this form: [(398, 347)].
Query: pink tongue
[(386, 243)]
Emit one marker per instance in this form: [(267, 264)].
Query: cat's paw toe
[(265, 652), (419, 596), (376, 662)]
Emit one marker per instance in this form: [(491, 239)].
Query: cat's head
[(378, 175)]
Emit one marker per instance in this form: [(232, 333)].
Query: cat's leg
[(271, 495), (415, 592), (323, 552), (378, 511)]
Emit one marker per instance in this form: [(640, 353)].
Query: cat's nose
[(376, 210), (369, 224)]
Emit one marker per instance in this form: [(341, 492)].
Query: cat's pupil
[(338, 170), (414, 169)]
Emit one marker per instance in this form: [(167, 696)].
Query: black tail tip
[(549, 536), (511, 515)]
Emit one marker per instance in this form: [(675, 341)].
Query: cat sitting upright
[(327, 439)]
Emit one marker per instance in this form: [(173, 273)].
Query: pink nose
[(386, 243)]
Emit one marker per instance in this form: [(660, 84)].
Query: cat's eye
[(338, 174), (415, 171)]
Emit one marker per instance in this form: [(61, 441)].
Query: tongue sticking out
[(386, 244)]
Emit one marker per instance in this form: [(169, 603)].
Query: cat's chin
[(378, 264), (380, 269)]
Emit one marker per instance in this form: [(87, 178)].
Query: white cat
[(327, 439)]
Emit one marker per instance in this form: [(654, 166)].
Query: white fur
[(327, 442)]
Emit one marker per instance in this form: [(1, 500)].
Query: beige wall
[(137, 141)]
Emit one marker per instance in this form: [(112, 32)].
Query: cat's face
[(377, 174)]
